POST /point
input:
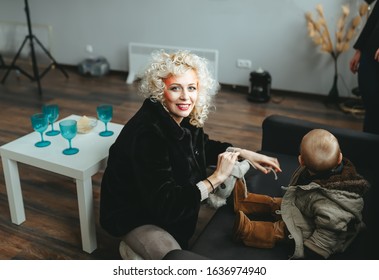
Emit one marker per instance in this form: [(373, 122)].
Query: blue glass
[(68, 130), (40, 124), (105, 114), (52, 111)]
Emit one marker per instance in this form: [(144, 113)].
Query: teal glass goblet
[(105, 114), (69, 130), (52, 111), (40, 124)]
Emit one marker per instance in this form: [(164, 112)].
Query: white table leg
[(86, 214), (12, 183)]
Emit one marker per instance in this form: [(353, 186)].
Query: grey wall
[(272, 34)]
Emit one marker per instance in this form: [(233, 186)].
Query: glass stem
[(106, 126), (69, 144), (42, 137), (52, 127)]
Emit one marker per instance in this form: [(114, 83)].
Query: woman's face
[(180, 94)]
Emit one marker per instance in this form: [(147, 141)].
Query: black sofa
[(281, 138)]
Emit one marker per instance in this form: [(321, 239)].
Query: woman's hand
[(377, 55), (262, 162), (354, 62), (224, 167)]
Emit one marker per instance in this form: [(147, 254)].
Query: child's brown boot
[(250, 203), (257, 233)]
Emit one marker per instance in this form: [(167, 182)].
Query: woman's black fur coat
[(152, 172)]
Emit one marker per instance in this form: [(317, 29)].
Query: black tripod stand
[(31, 38), (2, 63)]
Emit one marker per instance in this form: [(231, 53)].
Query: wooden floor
[(51, 229)]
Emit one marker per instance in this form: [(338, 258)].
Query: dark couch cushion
[(217, 242), (178, 254), (258, 182)]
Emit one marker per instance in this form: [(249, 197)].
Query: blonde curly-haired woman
[(156, 174)]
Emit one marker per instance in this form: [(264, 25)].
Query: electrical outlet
[(89, 48), (243, 63)]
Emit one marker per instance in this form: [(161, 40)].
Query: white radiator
[(139, 55), (12, 35)]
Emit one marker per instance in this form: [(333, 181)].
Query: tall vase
[(333, 96)]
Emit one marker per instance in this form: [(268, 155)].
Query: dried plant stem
[(319, 31)]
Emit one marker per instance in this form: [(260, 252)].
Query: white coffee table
[(92, 156)]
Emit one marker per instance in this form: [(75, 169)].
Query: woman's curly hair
[(164, 65)]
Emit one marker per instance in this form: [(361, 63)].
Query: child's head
[(320, 151)]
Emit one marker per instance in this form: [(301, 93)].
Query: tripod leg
[(46, 70), (50, 56), (35, 67), (12, 66)]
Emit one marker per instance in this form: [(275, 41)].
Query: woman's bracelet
[(213, 188)]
